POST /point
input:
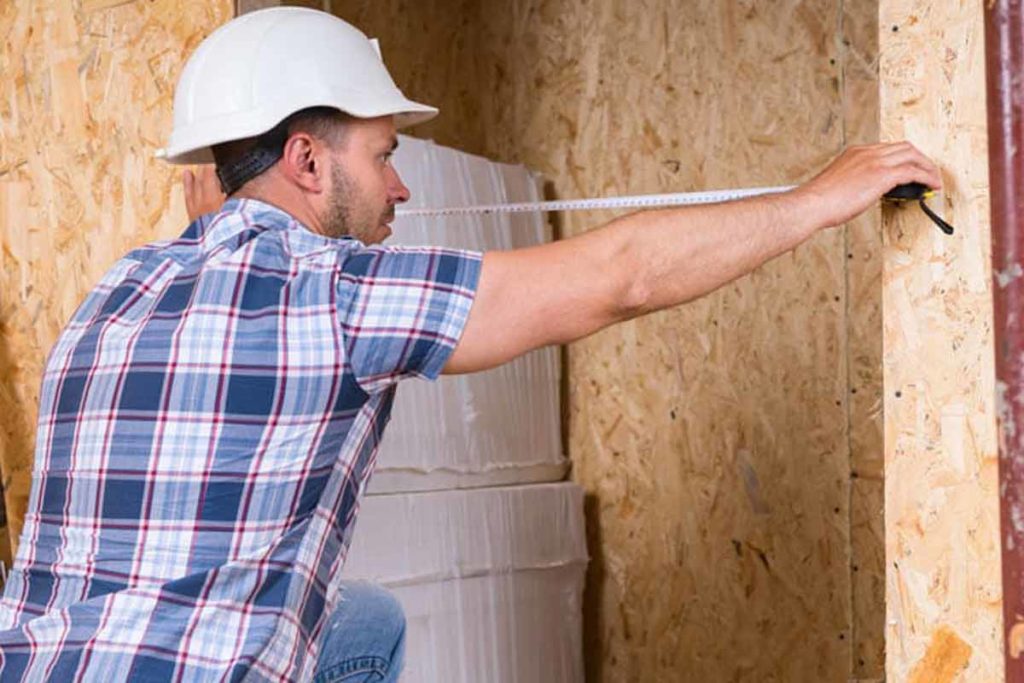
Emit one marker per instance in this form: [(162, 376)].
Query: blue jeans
[(364, 640)]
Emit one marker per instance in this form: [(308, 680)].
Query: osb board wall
[(433, 50), (943, 589), (859, 37), (86, 100), (714, 439), (243, 6)]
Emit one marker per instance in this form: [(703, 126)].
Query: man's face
[(364, 186)]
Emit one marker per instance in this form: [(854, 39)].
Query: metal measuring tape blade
[(644, 201), (900, 193)]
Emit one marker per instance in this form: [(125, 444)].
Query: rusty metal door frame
[(1004, 55)]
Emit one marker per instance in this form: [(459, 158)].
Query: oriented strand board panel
[(713, 437), (943, 584), (712, 440), (433, 50), (243, 6), (84, 103), (864, 354)]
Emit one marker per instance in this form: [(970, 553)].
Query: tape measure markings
[(644, 201)]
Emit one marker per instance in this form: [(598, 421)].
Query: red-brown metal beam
[(1004, 52)]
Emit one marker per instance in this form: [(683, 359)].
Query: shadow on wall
[(593, 592)]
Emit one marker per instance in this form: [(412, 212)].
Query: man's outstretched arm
[(563, 291)]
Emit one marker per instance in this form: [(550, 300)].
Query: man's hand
[(202, 192), (559, 292), (856, 179)]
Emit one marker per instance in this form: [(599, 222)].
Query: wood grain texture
[(945, 658), (941, 495), (864, 354)]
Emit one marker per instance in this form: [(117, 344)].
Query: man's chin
[(381, 233)]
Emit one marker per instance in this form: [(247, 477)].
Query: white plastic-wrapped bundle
[(491, 428), (491, 580)]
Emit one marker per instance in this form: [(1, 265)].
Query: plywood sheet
[(943, 586), (84, 102), (864, 353), (709, 435), (432, 48), (243, 6)]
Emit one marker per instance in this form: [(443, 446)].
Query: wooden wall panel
[(244, 6), (943, 585), (432, 49), (84, 103), (713, 439), (864, 355)]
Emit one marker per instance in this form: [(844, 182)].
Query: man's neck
[(289, 200)]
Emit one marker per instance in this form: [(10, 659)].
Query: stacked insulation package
[(467, 519)]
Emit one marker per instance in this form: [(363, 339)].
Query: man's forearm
[(559, 292), (675, 255)]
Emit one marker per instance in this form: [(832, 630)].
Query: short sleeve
[(403, 309)]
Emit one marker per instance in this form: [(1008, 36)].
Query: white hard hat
[(258, 69)]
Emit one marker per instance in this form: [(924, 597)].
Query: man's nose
[(398, 193)]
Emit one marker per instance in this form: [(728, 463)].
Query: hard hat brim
[(188, 147)]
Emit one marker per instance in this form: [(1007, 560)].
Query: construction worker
[(210, 416)]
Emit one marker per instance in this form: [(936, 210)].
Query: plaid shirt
[(207, 423)]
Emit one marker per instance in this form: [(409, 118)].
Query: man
[(210, 416)]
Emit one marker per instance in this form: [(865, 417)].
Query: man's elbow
[(632, 291), (634, 301)]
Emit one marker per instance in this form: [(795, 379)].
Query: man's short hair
[(324, 123)]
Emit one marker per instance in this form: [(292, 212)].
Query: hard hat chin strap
[(264, 153)]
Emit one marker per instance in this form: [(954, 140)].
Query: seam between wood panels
[(842, 56)]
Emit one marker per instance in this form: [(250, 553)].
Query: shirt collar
[(237, 215), (258, 213)]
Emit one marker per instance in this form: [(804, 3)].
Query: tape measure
[(918, 192), (901, 193), (909, 192), (643, 201)]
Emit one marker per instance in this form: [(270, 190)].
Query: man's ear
[(302, 162)]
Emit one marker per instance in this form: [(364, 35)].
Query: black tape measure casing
[(918, 192)]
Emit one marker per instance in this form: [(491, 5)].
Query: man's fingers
[(922, 173), (862, 174), (201, 181), (188, 182), (925, 171), (890, 148), (210, 183), (929, 171), (908, 161)]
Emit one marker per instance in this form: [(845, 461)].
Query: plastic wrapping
[(491, 580), (492, 428)]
